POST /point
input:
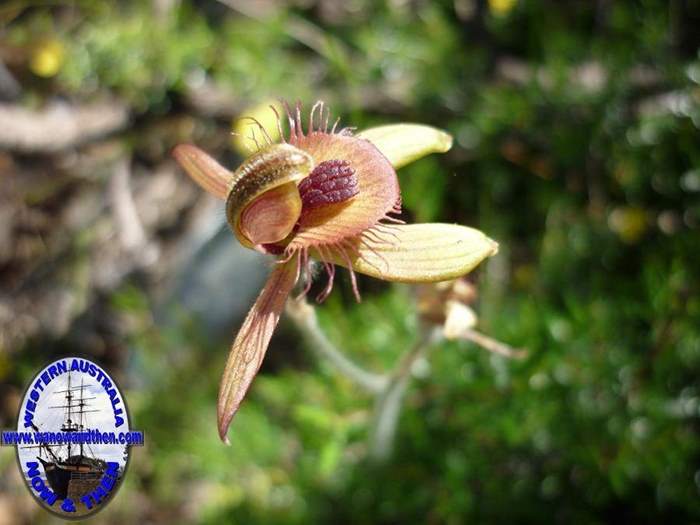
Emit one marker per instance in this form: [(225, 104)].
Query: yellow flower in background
[(246, 131), (327, 194), (501, 7), (629, 223), (47, 58)]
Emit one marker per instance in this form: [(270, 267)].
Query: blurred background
[(576, 147)]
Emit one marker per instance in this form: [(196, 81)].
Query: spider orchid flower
[(327, 194)]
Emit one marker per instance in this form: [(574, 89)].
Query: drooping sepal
[(251, 343)]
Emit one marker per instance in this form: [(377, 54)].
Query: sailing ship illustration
[(71, 469)]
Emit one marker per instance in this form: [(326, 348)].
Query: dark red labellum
[(331, 182)]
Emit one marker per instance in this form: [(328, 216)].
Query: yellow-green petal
[(404, 143), (414, 253)]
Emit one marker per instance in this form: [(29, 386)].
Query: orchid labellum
[(326, 194)]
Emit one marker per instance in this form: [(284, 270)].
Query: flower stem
[(389, 389), (304, 317), (390, 401)]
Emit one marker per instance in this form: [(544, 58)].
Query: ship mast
[(69, 425), (82, 412)]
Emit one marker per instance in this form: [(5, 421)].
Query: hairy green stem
[(304, 316), (390, 389), (389, 402)]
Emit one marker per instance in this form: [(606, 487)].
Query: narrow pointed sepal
[(405, 143), (204, 170), (415, 253), (251, 343)]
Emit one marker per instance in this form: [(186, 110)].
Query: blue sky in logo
[(50, 419)]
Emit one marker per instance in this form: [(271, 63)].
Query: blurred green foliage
[(576, 127)]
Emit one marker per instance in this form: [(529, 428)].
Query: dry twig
[(58, 126)]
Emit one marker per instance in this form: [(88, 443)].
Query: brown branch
[(131, 232), (58, 126)]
